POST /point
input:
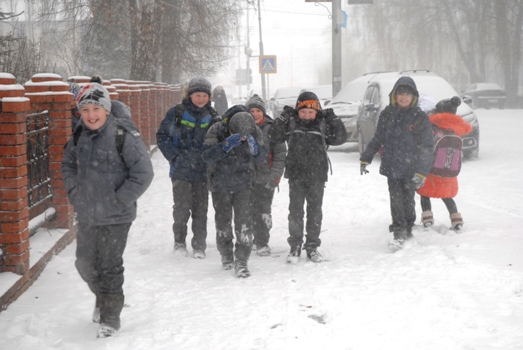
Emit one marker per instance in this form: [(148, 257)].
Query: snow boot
[(427, 218), (180, 249), (294, 255), (263, 251), (111, 306), (198, 254), (227, 262), (409, 233), (315, 256), (456, 222), (400, 235), (241, 269)]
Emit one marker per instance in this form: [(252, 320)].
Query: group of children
[(239, 156)]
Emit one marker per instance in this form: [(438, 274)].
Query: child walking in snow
[(266, 179), (104, 177), (405, 134), (180, 138), (232, 149), (444, 120), (308, 131)]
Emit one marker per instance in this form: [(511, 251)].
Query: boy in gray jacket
[(104, 175)]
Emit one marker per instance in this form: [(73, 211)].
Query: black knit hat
[(449, 105), (308, 99), (242, 123), (256, 102), (199, 84)]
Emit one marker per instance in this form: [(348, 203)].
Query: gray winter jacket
[(273, 170), (103, 186)]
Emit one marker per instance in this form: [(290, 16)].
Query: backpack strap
[(120, 140), (178, 114), (323, 132)]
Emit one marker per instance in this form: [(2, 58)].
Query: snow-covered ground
[(447, 291)]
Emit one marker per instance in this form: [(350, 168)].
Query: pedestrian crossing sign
[(267, 64)]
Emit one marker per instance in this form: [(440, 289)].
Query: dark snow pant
[(299, 192), (224, 206), (99, 251), (449, 203), (190, 198), (402, 206), (261, 203)]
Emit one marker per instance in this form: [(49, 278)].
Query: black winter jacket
[(307, 155), (406, 137), (103, 187), (233, 171)]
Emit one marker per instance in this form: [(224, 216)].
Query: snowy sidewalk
[(448, 291)]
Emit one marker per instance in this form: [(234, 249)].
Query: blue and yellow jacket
[(180, 138)]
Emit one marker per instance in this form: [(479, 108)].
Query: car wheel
[(472, 153)]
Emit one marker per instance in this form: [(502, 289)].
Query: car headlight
[(472, 119)]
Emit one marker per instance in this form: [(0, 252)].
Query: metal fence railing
[(38, 175)]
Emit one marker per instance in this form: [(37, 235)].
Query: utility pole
[(336, 46), (261, 53)]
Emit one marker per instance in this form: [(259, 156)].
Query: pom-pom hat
[(96, 94), (256, 102), (449, 105)]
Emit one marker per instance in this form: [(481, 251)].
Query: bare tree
[(509, 25)]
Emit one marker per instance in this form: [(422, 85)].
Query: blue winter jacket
[(406, 137), (181, 141)]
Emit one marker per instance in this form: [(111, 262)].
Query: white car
[(376, 98), (347, 103), (286, 96)]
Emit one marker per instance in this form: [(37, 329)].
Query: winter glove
[(328, 114), (231, 142), (284, 117), (271, 185), (253, 145), (418, 180), (363, 168)]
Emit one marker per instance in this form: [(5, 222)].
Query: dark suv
[(376, 98)]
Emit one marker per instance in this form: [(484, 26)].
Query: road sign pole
[(261, 53)]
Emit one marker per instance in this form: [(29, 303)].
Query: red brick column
[(49, 92), (123, 91), (147, 130), (14, 212), (136, 109)]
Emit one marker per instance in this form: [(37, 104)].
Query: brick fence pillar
[(135, 101), (147, 130), (49, 92), (14, 211), (124, 92)]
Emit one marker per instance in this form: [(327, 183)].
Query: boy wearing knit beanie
[(308, 130), (180, 138), (103, 183), (266, 179)]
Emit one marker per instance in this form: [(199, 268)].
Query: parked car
[(324, 93), (285, 96), (376, 98), (485, 95), (347, 102)]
